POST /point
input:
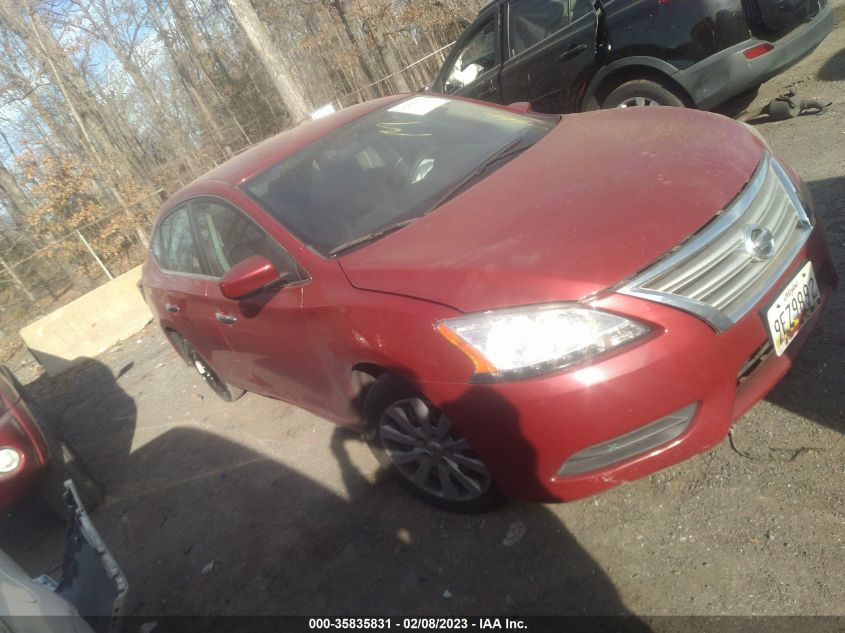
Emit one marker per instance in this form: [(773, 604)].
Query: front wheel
[(412, 439), (642, 92)]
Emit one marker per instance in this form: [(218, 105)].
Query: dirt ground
[(258, 507)]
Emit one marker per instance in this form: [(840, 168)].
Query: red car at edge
[(34, 457), (506, 304), (24, 451)]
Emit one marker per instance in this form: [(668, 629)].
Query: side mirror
[(247, 277), (523, 107)]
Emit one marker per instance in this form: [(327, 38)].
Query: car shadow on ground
[(834, 68), (738, 105), (815, 387), (205, 526), (88, 409)]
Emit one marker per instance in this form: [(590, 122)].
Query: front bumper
[(525, 431), (728, 73)]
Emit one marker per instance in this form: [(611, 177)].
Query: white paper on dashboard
[(418, 105)]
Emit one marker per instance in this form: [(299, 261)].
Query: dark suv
[(571, 55)]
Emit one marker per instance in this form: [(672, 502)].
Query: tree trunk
[(211, 125), (277, 66), (123, 51), (359, 47), (17, 202)]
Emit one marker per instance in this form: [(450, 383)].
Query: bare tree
[(275, 63), (16, 201)]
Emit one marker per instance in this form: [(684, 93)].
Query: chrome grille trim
[(712, 275)]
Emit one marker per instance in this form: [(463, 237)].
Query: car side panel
[(551, 74), (275, 349), (19, 429), (181, 304), (677, 32)]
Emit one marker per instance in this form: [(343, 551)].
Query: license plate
[(793, 308)]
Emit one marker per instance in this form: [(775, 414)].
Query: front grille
[(721, 272)]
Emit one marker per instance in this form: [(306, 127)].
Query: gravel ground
[(258, 507)]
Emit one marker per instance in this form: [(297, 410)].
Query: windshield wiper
[(514, 147), (369, 237)]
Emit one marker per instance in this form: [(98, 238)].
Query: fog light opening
[(10, 460), (631, 444)]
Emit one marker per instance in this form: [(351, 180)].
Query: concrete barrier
[(89, 325)]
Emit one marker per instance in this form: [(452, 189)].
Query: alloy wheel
[(427, 450), (638, 102)]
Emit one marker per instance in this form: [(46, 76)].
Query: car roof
[(270, 151)]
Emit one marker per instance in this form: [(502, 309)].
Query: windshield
[(388, 168)]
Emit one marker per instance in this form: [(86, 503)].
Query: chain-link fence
[(37, 277), (418, 74)]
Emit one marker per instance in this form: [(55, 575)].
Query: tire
[(224, 390), (421, 448), (642, 92)]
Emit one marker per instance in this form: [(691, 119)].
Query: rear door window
[(173, 245)]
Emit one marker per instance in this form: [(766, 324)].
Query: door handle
[(171, 308), (225, 318), (573, 51)]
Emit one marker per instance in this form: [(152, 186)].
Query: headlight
[(10, 459), (522, 342)]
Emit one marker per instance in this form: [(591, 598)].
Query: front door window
[(477, 57), (228, 237)]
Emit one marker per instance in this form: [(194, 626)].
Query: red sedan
[(505, 303), (23, 447), (33, 456)]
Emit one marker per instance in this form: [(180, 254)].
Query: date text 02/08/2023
[(417, 624)]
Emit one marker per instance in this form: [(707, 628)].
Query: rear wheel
[(223, 389), (640, 93), (419, 445)]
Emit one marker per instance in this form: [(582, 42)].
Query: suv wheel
[(641, 92), (412, 439)]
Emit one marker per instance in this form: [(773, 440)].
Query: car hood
[(596, 200)]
